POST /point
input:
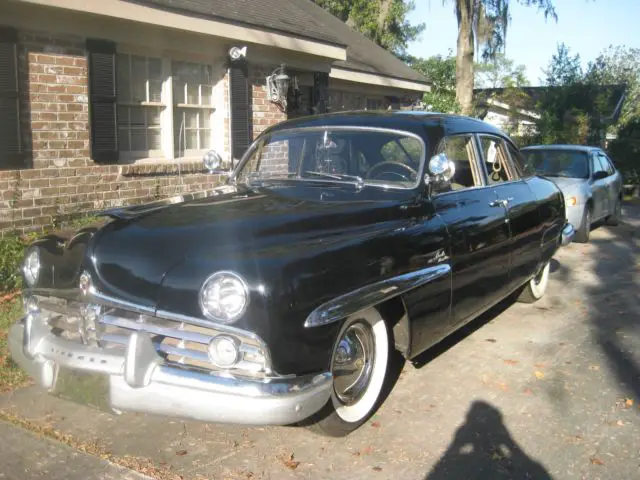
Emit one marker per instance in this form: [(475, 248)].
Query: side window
[(404, 150), (595, 164), (496, 160), (459, 149), (519, 162), (606, 163), (602, 164)]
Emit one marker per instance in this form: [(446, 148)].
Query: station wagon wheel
[(614, 218), (359, 364), (535, 288), (583, 233)]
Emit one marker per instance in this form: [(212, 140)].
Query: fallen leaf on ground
[(539, 375), (594, 367), (491, 340), (503, 386), (511, 362), (375, 424), (596, 461), (289, 462), (629, 402), (620, 423), (377, 469), (367, 450), (180, 453), (539, 365), (527, 391)]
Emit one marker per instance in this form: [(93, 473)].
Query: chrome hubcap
[(353, 362)]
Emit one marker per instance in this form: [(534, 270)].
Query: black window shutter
[(241, 112), (102, 100), (10, 145)]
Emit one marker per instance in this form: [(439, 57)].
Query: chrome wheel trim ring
[(352, 362)]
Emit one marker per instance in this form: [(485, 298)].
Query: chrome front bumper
[(137, 379), (568, 232)]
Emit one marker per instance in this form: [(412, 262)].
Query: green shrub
[(11, 252)]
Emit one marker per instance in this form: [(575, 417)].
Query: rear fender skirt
[(373, 294)]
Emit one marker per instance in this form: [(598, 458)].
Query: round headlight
[(31, 266), (224, 297), (223, 351)]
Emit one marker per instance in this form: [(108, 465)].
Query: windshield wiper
[(338, 176)]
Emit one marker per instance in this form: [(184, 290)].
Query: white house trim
[(373, 79), (143, 14)]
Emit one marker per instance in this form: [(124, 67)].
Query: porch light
[(278, 87)]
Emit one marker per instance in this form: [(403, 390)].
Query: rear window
[(555, 163)]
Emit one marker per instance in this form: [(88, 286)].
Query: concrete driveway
[(549, 390)]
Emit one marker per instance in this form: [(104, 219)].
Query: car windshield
[(556, 163), (336, 154)]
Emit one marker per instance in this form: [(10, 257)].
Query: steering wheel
[(412, 173)]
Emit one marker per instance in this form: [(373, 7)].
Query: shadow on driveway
[(483, 448)]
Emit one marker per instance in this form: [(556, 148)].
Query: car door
[(478, 231), (500, 159), (611, 183), (598, 188)]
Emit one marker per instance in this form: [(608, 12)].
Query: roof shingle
[(301, 18)]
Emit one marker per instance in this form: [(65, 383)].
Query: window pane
[(137, 116), (154, 139), (495, 159), (191, 119), (192, 94), (205, 139), (123, 116), (206, 94), (459, 149), (191, 139), (124, 76), (205, 119), (153, 116), (139, 78), (138, 139)]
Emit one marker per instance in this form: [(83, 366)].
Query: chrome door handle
[(498, 203)]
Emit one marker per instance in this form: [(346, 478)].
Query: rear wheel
[(582, 233), (535, 289), (614, 218), (359, 365)]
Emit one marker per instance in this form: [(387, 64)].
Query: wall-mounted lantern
[(278, 87)]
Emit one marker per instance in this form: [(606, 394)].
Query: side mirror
[(599, 175), (441, 169), (214, 163)]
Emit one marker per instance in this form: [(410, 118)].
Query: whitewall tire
[(359, 364), (535, 288)]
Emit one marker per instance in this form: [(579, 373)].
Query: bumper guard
[(137, 379)]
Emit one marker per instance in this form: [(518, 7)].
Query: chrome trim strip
[(116, 321), (372, 294), (109, 301)]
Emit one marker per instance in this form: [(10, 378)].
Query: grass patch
[(11, 376)]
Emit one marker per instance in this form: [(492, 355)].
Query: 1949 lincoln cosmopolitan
[(283, 295)]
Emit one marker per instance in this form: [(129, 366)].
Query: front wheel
[(583, 233), (359, 365), (535, 289)]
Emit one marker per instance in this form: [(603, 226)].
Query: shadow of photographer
[(483, 448)]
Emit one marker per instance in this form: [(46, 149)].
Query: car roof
[(395, 119), (568, 147)]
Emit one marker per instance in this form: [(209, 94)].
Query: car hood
[(131, 256), (568, 184)]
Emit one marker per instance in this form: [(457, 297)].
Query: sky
[(585, 26)]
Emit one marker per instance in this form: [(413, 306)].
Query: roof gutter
[(153, 16), (373, 79)]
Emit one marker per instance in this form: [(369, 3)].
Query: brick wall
[(59, 179), (265, 113)]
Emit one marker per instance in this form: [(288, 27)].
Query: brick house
[(114, 102)]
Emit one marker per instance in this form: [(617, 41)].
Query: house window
[(374, 104), (139, 105), (192, 98)]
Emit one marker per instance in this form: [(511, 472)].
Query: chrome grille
[(178, 341)]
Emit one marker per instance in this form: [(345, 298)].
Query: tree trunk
[(383, 14), (464, 57)]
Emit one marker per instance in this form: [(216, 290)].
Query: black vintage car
[(282, 296)]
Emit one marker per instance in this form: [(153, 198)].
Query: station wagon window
[(596, 166), (496, 160), (460, 150), (519, 162), (375, 157)]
